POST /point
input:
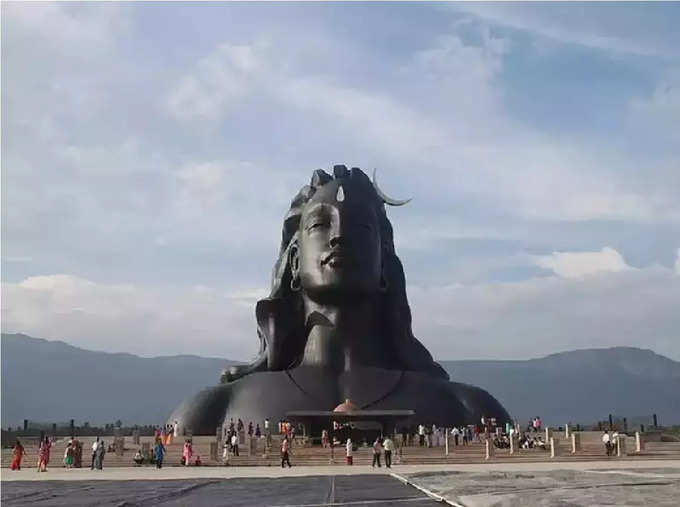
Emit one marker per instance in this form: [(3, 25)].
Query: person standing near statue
[(77, 453), (95, 446), (159, 452), (17, 454), (377, 449), (607, 443), (44, 454), (68, 455), (388, 446), (99, 456), (285, 449), (234, 444), (187, 451)]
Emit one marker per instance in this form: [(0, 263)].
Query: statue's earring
[(295, 283)]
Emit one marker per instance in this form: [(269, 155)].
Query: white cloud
[(613, 31), (219, 82), (580, 264), (677, 263), (81, 29), (467, 142), (531, 318), (131, 318)]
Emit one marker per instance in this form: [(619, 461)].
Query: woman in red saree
[(18, 453), (44, 455)]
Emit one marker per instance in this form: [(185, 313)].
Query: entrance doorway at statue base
[(359, 425)]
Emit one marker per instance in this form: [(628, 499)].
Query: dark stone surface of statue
[(337, 324)]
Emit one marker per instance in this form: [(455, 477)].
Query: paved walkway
[(170, 473)]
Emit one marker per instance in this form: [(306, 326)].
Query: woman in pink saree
[(187, 451), (44, 455)]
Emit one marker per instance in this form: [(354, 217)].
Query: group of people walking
[(73, 454), (611, 442)]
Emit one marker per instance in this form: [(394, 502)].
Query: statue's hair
[(280, 317)]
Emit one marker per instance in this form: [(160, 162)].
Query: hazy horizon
[(236, 360)]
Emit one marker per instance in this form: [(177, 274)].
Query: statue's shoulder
[(250, 398), (454, 401), (203, 412), (478, 402)]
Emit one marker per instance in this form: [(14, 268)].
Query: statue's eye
[(316, 225)]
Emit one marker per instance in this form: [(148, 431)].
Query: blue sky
[(150, 152)]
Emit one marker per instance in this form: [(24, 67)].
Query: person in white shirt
[(175, 429), (388, 446), (234, 444), (455, 432), (348, 450), (607, 442), (95, 446), (421, 434)]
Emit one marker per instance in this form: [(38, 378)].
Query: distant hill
[(53, 381), (581, 386)]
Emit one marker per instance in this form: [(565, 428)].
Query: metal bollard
[(554, 450), (575, 443), (621, 446)]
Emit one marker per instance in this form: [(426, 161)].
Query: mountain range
[(52, 381)]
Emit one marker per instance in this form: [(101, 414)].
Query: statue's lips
[(338, 259)]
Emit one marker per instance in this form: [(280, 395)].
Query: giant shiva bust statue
[(337, 324)]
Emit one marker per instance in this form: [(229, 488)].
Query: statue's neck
[(342, 337)]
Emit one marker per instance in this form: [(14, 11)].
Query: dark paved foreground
[(356, 490)]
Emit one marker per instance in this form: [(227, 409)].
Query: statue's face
[(339, 243)]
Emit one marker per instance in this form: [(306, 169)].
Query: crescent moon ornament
[(385, 198)]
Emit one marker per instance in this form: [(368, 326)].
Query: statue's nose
[(338, 236)]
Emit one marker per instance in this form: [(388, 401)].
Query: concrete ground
[(620, 482), (633, 487)]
